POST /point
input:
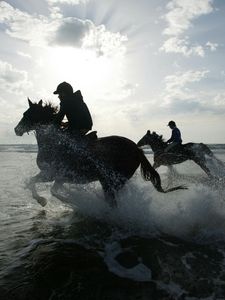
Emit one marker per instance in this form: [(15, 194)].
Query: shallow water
[(153, 246)]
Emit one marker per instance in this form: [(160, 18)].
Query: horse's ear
[(40, 102), (29, 101), (148, 131)]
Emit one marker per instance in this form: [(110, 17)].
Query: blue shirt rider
[(175, 139)]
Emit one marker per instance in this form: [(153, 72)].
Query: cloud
[(200, 103), (179, 18), (182, 46), (180, 96), (85, 34), (41, 31), (219, 101), (212, 46), (179, 80), (182, 12), (21, 53), (21, 25), (11, 79), (71, 32), (121, 91), (104, 41), (7, 11), (71, 2)]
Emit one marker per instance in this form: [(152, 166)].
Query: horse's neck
[(46, 137), (158, 146)]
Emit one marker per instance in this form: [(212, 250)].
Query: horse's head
[(34, 116), (145, 139), (150, 139)]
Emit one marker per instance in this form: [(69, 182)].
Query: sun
[(83, 67)]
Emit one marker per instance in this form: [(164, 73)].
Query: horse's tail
[(206, 149), (150, 174)]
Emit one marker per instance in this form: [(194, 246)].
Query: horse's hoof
[(42, 201)]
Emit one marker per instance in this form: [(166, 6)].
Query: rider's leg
[(170, 146)]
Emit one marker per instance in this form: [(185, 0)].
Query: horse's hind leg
[(110, 189), (109, 193), (171, 174), (203, 166)]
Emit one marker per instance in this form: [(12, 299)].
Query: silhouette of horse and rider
[(72, 155), (174, 152)]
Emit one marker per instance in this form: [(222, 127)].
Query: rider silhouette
[(74, 108), (175, 139)]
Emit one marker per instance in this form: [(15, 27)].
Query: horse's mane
[(158, 137), (50, 107)]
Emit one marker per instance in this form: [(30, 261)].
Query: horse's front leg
[(32, 186), (156, 161), (111, 186), (58, 184)]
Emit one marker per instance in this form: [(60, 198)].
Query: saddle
[(177, 150), (76, 137), (91, 136), (86, 139)]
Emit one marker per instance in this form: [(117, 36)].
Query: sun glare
[(85, 68)]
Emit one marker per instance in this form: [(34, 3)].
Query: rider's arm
[(172, 137), (170, 140), (60, 115)]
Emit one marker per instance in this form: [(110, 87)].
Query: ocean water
[(153, 246)]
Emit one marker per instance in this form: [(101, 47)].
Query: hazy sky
[(138, 64)]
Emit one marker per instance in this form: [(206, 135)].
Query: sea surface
[(153, 246)]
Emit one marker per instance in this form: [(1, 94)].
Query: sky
[(138, 64)]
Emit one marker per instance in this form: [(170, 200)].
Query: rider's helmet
[(64, 87), (171, 123)]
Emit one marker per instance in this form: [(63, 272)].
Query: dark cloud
[(71, 32)]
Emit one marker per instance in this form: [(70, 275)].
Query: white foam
[(190, 213), (139, 272), (196, 213)]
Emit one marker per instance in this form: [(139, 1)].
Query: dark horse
[(197, 152), (63, 158)]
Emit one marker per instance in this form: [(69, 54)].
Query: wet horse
[(63, 158), (198, 152)]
